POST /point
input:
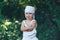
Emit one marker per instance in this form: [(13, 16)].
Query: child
[(29, 25)]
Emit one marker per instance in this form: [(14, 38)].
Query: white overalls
[(29, 35)]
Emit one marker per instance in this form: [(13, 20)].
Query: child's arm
[(33, 25), (23, 28)]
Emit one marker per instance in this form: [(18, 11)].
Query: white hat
[(29, 9)]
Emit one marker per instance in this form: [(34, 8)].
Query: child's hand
[(28, 30), (32, 25)]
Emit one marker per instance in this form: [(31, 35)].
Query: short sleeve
[(34, 21), (23, 21)]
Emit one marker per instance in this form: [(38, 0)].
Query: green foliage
[(10, 30), (47, 16)]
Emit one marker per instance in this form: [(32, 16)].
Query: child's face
[(28, 15)]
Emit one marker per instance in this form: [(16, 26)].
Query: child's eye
[(26, 13), (30, 13)]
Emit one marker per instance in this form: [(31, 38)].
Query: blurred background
[(47, 16)]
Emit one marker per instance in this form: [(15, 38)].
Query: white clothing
[(29, 9), (29, 35)]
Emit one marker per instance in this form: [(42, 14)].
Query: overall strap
[(27, 24)]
